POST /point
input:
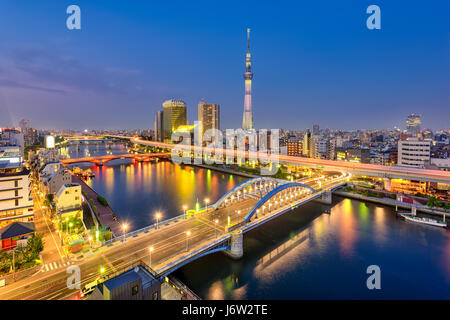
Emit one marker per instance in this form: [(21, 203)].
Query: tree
[(433, 202), (34, 247)]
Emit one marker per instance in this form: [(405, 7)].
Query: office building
[(307, 143), (316, 130), (209, 117), (413, 124), (159, 126), (174, 115), (414, 152)]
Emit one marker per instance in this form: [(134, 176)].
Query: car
[(90, 287)]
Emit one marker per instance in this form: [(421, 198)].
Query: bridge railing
[(192, 254), (161, 225)]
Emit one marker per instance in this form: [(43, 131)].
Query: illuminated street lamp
[(188, 233), (185, 208), (215, 227), (102, 270), (157, 216), (124, 228), (206, 201), (70, 226), (150, 250), (90, 240)]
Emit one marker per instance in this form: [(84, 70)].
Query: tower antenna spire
[(248, 39)]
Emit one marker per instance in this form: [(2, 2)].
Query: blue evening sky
[(313, 62)]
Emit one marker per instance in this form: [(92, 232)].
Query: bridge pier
[(236, 243), (326, 198)]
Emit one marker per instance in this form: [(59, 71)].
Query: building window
[(17, 202), (134, 290), (16, 183)]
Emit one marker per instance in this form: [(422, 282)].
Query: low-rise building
[(68, 202), (137, 283), (53, 176), (15, 233)]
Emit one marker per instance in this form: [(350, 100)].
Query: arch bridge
[(100, 160)]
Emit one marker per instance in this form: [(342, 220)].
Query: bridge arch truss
[(291, 190), (249, 188)]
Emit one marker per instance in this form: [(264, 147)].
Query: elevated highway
[(389, 172)]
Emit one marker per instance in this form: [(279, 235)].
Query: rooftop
[(16, 229), (131, 275)]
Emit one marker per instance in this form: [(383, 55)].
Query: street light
[(90, 240), (70, 226), (188, 233), (207, 201), (150, 249), (157, 216), (102, 270), (185, 208), (215, 227), (124, 227)]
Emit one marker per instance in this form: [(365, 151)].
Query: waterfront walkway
[(104, 213)]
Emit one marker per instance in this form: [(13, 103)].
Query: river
[(313, 252)]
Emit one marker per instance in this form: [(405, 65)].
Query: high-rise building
[(322, 148), (159, 126), (316, 130), (247, 122), (174, 115), (209, 115), (16, 204), (414, 152), (413, 124), (307, 143), (24, 125), (294, 146)]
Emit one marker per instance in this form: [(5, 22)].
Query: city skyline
[(333, 71)]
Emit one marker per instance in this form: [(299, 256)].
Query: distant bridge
[(100, 160)]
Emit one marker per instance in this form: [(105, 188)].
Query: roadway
[(351, 167), (167, 242)]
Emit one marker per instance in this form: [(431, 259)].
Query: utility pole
[(14, 265)]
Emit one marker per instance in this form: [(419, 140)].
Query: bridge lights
[(102, 270), (188, 233)]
